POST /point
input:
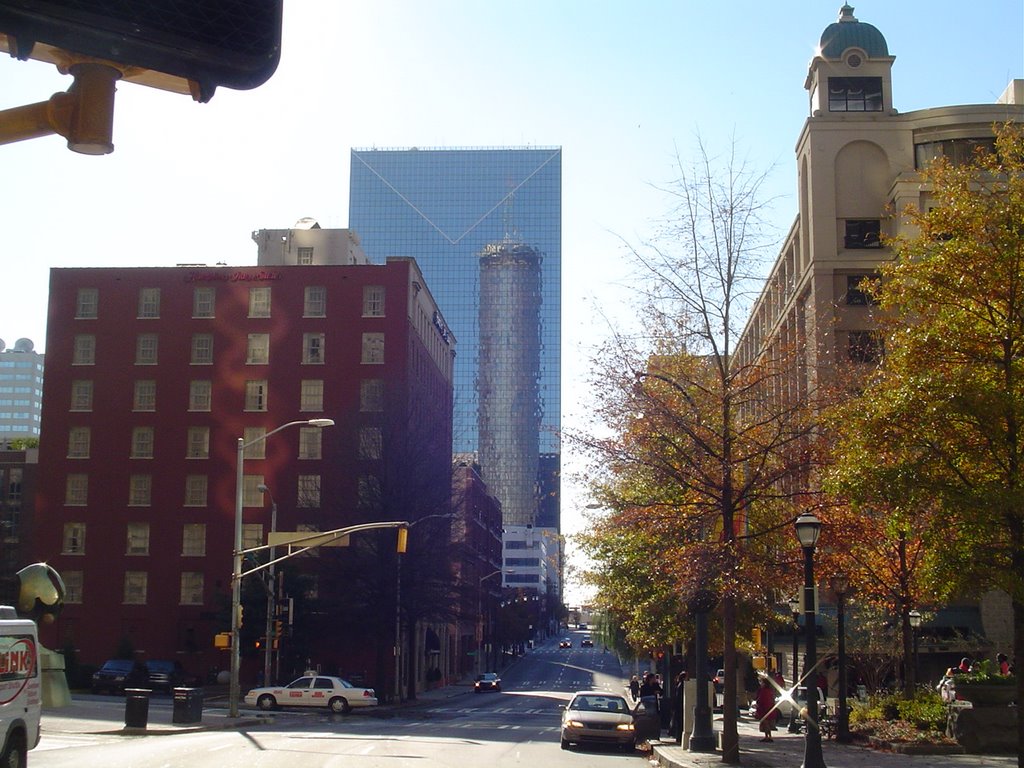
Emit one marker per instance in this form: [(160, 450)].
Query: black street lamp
[(702, 739), (914, 617), (808, 527), (839, 585), (794, 608)]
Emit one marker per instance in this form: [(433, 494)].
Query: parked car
[(117, 674), (598, 717), (586, 642), (488, 681), (313, 691), (165, 675), (566, 643)]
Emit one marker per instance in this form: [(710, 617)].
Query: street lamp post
[(480, 617), (840, 583), (702, 739), (808, 527), (914, 617), (268, 652), (236, 561), (794, 608)]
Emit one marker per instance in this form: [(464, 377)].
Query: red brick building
[(153, 374)]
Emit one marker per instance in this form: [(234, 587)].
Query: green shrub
[(926, 710)]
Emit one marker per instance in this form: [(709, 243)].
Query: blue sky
[(618, 85)]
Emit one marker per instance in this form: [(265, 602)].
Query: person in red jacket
[(764, 708)]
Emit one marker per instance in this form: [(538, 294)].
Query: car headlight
[(574, 724), (624, 727)]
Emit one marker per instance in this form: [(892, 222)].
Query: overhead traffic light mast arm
[(84, 114)]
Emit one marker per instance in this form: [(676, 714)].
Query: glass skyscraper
[(485, 227)]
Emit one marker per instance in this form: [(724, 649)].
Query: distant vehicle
[(586, 642), (719, 681), (581, 626), (313, 691), (117, 674), (21, 706), (566, 643), (598, 717), (488, 681), (164, 675)]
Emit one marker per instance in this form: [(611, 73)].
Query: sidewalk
[(787, 751)]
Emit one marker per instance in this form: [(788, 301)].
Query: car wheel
[(565, 743), (15, 755), (266, 702), (339, 704)]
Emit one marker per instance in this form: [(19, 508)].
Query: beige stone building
[(857, 163)]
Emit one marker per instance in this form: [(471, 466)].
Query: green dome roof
[(850, 33)]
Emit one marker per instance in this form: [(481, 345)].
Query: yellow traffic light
[(756, 634), (403, 540)]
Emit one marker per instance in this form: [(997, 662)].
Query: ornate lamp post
[(703, 737), (840, 583), (914, 617), (808, 527), (794, 608)]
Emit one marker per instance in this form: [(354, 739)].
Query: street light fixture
[(480, 614), (794, 609), (914, 617), (808, 528), (840, 583), (236, 560)]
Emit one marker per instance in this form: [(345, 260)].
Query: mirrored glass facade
[(464, 213)]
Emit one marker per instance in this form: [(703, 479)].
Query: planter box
[(984, 695)]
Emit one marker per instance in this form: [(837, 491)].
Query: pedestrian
[(676, 722), (764, 708), (634, 688), (965, 666), (946, 689), (1003, 663)]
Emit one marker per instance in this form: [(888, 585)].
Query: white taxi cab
[(336, 694)]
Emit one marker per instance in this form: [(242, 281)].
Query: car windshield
[(118, 666), (600, 704), (487, 676)]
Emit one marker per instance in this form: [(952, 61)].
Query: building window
[(305, 255), (73, 542), (309, 442), (192, 588), (309, 491), (368, 492), (199, 395), (193, 540), (198, 443), (145, 349), (149, 302), (956, 151), (81, 395), (312, 348), (259, 301), (256, 395), (373, 301), (373, 348), (865, 347), (855, 295), (203, 301), (140, 490), (76, 490), (85, 350), (202, 349), (371, 395), (78, 443), (855, 94), (73, 583), (135, 587), (370, 443), (862, 233), (87, 304), (14, 475), (311, 397), (257, 349), (138, 539), (255, 448), (144, 398), (252, 496), (142, 443), (315, 304), (195, 490), (252, 535)]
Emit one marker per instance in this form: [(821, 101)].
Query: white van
[(20, 688)]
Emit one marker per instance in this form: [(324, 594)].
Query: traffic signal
[(259, 642), (403, 540), (756, 634), (189, 46)]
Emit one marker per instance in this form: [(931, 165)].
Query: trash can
[(188, 706), (136, 707)]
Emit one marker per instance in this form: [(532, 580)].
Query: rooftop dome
[(850, 33)]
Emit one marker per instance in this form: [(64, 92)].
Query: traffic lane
[(565, 670)]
